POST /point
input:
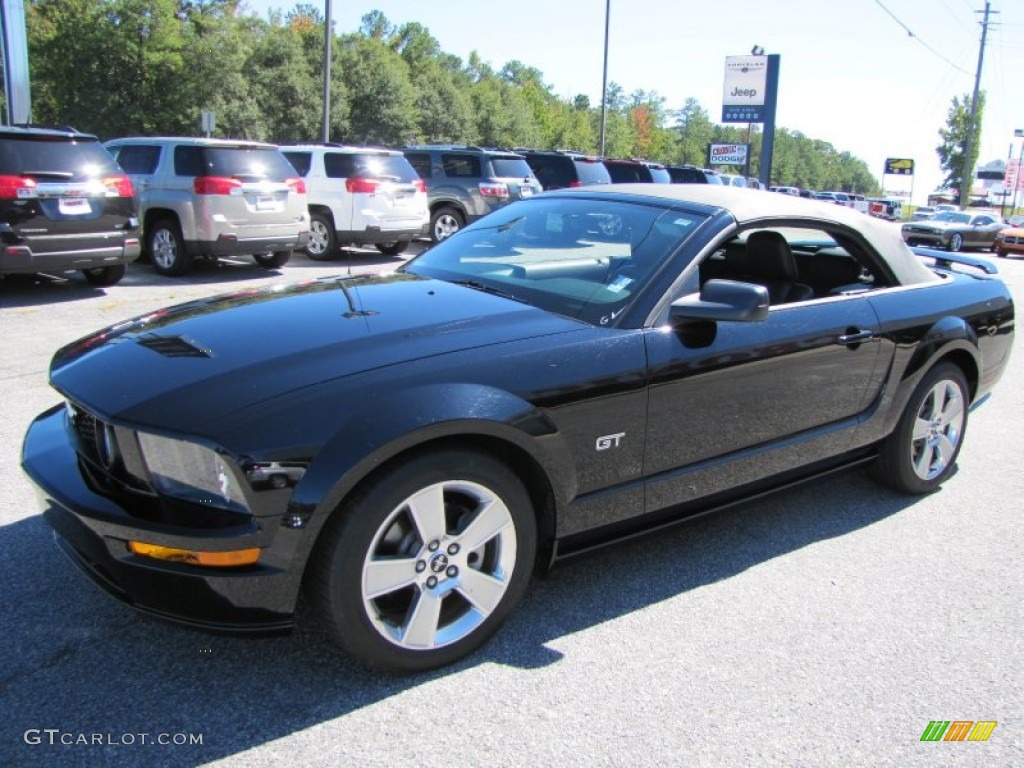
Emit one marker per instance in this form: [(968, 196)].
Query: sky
[(875, 78)]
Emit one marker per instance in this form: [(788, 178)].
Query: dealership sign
[(746, 79), (729, 154)]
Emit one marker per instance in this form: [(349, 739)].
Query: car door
[(983, 231), (757, 398)]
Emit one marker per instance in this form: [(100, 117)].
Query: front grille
[(1011, 240), (107, 456)]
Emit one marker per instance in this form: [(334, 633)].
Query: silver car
[(214, 197)]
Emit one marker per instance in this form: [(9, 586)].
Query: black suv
[(557, 169), (465, 183), (64, 205), (637, 171), (691, 174)]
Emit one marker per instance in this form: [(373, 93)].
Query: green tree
[(952, 150), (694, 129), (381, 98)]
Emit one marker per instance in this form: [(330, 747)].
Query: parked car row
[(71, 203)]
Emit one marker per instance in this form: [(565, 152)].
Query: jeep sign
[(745, 86), (729, 154)]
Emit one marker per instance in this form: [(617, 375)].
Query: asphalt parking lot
[(827, 625)]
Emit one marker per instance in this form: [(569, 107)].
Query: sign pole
[(771, 98)]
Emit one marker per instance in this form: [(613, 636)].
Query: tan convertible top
[(750, 206)]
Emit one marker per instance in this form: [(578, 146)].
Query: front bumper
[(94, 532)]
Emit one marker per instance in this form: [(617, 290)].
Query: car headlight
[(191, 472)]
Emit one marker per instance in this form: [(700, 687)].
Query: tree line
[(150, 67)]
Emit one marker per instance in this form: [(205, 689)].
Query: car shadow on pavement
[(80, 662), (33, 290)]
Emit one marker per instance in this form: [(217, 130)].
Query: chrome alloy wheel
[(446, 226), (164, 248), (319, 239), (938, 429), (439, 565)]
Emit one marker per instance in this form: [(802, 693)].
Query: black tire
[(937, 413), (105, 275), (322, 240), (393, 249), (412, 611), (956, 242), (272, 260), (166, 248), (1001, 254), (445, 222)]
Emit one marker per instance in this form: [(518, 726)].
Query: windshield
[(959, 218), (582, 258)]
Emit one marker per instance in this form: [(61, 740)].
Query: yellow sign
[(900, 166)]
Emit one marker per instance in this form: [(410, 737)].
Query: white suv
[(214, 197), (361, 196)]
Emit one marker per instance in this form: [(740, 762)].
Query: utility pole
[(328, 32), (604, 77), (967, 174)]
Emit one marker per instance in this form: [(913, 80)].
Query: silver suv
[(214, 197), (359, 195), (465, 183)]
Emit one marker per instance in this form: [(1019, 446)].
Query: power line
[(910, 33)]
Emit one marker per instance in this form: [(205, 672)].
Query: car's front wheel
[(166, 248), (272, 260), (421, 566), (921, 452), (322, 242), (956, 242), (104, 275)]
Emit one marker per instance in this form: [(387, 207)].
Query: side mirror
[(723, 300)]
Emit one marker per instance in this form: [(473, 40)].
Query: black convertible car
[(572, 369)]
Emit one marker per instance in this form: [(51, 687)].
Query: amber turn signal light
[(191, 557)]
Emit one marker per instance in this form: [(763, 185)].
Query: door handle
[(854, 336)]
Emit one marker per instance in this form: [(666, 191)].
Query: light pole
[(604, 77), (327, 72)]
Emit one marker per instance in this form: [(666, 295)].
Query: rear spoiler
[(946, 260)]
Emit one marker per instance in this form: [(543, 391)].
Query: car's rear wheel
[(104, 275), (272, 260), (421, 567), (167, 248), (921, 452), (956, 242), (393, 249), (445, 222), (322, 244)]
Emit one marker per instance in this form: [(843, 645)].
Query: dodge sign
[(729, 154)]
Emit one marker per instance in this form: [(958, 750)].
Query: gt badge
[(609, 441)]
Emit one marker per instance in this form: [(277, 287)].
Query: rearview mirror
[(723, 300)]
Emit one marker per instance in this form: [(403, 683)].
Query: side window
[(339, 166), (421, 162), (553, 172), (794, 264), (984, 220), (188, 161), (300, 161), (138, 158), (461, 166)]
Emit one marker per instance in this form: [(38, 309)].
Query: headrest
[(768, 256), (831, 269)]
